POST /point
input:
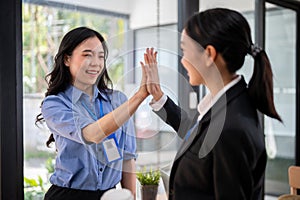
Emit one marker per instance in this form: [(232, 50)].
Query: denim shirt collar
[(76, 93)]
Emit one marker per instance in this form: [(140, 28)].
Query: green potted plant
[(149, 181), (34, 188)]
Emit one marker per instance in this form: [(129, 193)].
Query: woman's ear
[(67, 60), (211, 54)]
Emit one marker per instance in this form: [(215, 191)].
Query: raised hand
[(151, 70), (143, 92)]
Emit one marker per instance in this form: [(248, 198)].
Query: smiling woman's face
[(86, 63), (192, 59)]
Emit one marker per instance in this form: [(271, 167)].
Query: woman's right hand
[(143, 92), (150, 67)]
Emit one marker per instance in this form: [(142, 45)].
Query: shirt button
[(101, 169)]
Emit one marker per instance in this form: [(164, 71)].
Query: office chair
[(294, 182)]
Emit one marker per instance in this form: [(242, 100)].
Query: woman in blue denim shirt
[(90, 123)]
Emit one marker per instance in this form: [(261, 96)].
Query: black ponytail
[(260, 86)]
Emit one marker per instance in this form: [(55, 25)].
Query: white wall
[(144, 13)]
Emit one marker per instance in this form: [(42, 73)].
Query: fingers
[(150, 56), (146, 59), (149, 66), (143, 65), (150, 77), (144, 68), (144, 72)]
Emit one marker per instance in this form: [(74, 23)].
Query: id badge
[(111, 150)]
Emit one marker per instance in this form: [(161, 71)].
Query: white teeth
[(92, 72)]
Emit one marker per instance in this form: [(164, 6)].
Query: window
[(280, 138), (157, 142)]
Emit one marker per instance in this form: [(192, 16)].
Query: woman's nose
[(95, 60)]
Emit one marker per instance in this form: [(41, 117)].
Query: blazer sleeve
[(176, 117)]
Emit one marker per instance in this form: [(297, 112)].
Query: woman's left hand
[(150, 67), (143, 92)]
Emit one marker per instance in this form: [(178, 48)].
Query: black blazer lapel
[(212, 123), (188, 141)]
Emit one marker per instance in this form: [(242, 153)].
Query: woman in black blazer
[(223, 153)]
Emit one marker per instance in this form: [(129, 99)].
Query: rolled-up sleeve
[(63, 119), (130, 141), (129, 132)]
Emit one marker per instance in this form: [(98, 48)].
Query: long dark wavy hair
[(229, 32), (60, 77)]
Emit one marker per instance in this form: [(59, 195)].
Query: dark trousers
[(62, 193)]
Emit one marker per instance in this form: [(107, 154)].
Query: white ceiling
[(240, 5), (120, 6), (143, 13), (128, 6)]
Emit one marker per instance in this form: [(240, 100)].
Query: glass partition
[(157, 142), (280, 138)]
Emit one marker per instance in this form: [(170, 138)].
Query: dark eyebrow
[(90, 51), (87, 50)]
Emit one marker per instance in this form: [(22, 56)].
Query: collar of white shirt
[(208, 100)]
